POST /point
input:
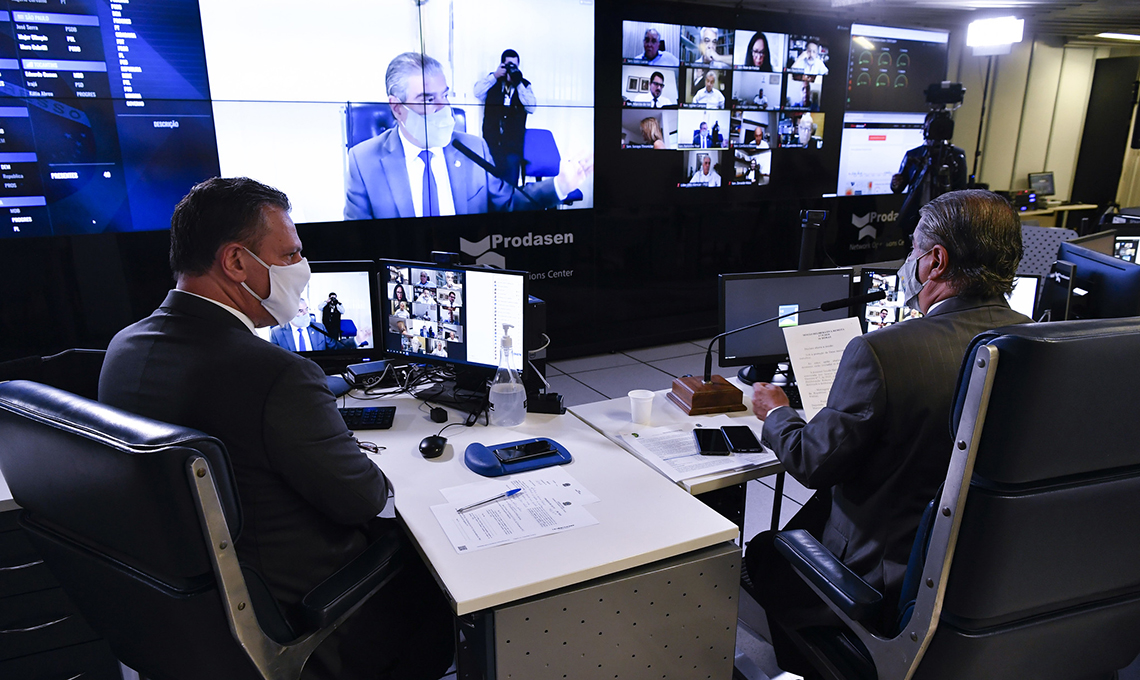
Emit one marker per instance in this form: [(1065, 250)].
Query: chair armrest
[(355, 581), (815, 564)]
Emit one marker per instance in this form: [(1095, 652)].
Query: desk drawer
[(88, 661), (21, 569), (40, 621)]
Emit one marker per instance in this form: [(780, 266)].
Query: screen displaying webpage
[(873, 148)]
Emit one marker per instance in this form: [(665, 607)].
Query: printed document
[(551, 501), (673, 450), (815, 351)]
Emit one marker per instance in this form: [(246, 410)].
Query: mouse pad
[(482, 460)]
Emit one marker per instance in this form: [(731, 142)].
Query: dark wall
[(641, 269)]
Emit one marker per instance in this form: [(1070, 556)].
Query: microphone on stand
[(714, 394)]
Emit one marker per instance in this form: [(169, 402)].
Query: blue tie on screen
[(300, 340), (431, 195)]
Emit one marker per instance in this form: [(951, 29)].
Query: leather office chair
[(1028, 565), (137, 520)]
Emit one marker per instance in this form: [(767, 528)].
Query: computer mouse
[(432, 445)]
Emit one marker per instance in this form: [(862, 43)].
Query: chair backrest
[(108, 502), (540, 153), (1045, 573)]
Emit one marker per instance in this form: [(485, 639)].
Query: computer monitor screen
[(451, 314), (1104, 287), (888, 311), (748, 298), (1041, 183), (1125, 248), (1024, 296), (335, 314), (1103, 242)]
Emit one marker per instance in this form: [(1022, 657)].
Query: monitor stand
[(757, 373)]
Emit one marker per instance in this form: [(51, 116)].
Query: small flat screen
[(1041, 183)]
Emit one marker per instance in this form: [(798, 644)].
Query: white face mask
[(910, 284), (439, 126), (286, 284), (302, 320)]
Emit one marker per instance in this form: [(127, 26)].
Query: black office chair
[(137, 520), (1028, 565)]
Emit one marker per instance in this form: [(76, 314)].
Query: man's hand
[(897, 183), (765, 397), (501, 71), (572, 173)]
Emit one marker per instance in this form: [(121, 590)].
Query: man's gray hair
[(982, 235), (405, 66)]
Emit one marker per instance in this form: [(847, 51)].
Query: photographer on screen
[(508, 99), (936, 167)]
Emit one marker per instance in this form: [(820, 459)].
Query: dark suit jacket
[(377, 183), (882, 444), (306, 490), (285, 336)]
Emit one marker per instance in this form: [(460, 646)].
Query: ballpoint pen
[(505, 494)]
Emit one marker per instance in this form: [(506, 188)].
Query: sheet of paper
[(815, 350), (672, 449), (551, 501)]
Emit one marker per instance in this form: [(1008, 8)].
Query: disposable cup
[(640, 406)]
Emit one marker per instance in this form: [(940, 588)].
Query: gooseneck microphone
[(482, 162), (824, 307)]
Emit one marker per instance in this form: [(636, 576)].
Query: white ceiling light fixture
[(994, 36), (1119, 36)]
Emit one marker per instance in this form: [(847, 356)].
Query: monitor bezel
[(343, 356), (1052, 183)]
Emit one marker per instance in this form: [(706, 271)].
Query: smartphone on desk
[(741, 439), (524, 451), (710, 441)]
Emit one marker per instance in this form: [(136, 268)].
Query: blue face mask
[(911, 286)]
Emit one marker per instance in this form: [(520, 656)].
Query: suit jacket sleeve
[(356, 204), (308, 445), (820, 453), (502, 198)]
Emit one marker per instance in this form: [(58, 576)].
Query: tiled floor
[(607, 376)]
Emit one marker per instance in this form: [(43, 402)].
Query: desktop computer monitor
[(888, 311), (1041, 183), (748, 298), (352, 340), (1024, 296), (1126, 247), (1103, 286), (449, 314)]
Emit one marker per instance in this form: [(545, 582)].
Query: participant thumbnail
[(803, 92), (705, 87), (649, 43), (757, 90), (702, 129), (759, 51), (800, 129), (702, 169), (648, 86), (641, 129), (751, 166), (707, 46), (806, 55), (753, 129)]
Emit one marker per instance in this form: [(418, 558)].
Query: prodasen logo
[(484, 249), (480, 250), (866, 224)]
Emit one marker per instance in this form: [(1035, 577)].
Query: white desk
[(650, 560)]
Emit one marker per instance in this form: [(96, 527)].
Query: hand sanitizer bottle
[(508, 395)]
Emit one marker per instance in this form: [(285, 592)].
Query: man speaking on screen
[(423, 167)]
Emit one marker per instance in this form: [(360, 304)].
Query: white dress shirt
[(415, 166)]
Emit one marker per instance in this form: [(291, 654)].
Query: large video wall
[(112, 110)]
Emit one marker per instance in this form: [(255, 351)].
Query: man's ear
[(398, 110), (939, 262), (231, 262)]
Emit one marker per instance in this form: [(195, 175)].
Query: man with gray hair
[(423, 167), (653, 54), (880, 448)]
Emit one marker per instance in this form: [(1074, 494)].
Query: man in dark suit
[(309, 496), (301, 334), (879, 450), (415, 168)]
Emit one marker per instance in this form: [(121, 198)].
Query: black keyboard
[(793, 392), (369, 417)]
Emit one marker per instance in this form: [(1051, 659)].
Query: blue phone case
[(481, 459)]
